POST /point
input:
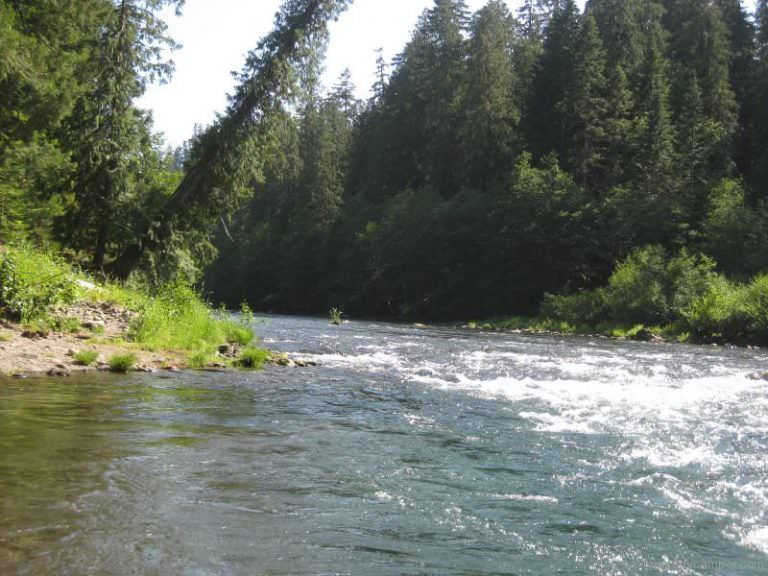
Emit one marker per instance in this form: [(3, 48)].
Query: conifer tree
[(759, 177), (647, 204), (743, 75), (586, 107), (492, 108), (546, 124), (619, 24), (700, 51), (42, 50), (106, 129)]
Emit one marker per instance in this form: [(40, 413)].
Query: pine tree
[(546, 124), (760, 148), (647, 205), (105, 129), (413, 141), (444, 28), (585, 108), (743, 75), (381, 75), (492, 107), (42, 48), (619, 24), (699, 47)]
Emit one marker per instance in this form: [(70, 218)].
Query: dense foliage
[(618, 156), (507, 156)]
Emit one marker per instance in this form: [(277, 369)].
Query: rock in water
[(59, 370)]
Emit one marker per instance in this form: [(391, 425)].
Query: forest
[(610, 164)]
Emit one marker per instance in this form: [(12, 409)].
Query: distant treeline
[(504, 156)]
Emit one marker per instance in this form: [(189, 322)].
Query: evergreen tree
[(492, 105), (585, 108), (42, 48), (619, 22), (759, 177), (410, 135), (743, 75), (700, 53), (105, 129), (547, 118), (646, 207), (440, 89)]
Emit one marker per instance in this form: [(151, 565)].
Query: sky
[(216, 34)]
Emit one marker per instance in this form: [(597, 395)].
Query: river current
[(407, 451)]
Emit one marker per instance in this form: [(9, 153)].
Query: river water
[(408, 451)]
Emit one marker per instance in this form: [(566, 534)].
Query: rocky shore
[(101, 328)]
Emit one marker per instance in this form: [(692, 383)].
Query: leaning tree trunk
[(199, 200)]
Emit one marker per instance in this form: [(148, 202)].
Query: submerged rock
[(59, 370)]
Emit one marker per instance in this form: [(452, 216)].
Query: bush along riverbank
[(653, 295), (56, 320)]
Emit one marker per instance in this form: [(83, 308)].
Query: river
[(408, 451)]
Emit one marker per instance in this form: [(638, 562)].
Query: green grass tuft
[(122, 363), (85, 357), (178, 319), (335, 315), (252, 358), (199, 359)]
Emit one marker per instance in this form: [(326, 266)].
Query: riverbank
[(98, 332), (55, 320), (538, 325)]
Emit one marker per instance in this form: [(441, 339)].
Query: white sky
[(216, 35)]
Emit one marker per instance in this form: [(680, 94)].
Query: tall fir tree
[(586, 107), (700, 50), (743, 75), (619, 22), (547, 121), (492, 107), (647, 206), (106, 129), (759, 176)]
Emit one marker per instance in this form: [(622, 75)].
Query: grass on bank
[(122, 363), (85, 357), (173, 318)]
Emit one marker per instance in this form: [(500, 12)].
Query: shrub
[(649, 288), (32, 282), (734, 233), (238, 334), (122, 363), (755, 305), (252, 358), (85, 357), (638, 289), (587, 307)]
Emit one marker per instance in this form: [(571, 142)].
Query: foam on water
[(673, 411), (757, 538)]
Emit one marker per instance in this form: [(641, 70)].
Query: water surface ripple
[(410, 451)]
